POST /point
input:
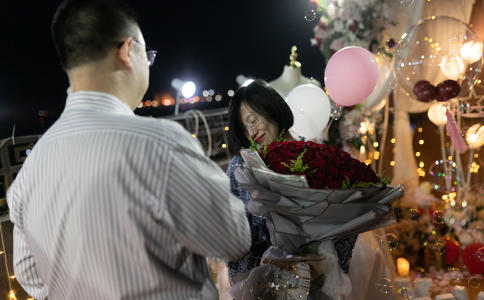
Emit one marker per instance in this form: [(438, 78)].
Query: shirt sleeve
[(206, 217), (23, 260)]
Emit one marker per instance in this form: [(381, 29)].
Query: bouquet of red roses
[(325, 166), (309, 195)]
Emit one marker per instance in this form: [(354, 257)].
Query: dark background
[(209, 42)]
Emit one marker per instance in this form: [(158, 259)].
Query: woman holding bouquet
[(258, 114)]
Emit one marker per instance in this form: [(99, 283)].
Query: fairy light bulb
[(452, 66), (11, 295), (363, 129), (471, 51), (475, 136), (436, 114)]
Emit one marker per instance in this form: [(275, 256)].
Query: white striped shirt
[(110, 205)]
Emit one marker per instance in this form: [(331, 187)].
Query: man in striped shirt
[(110, 205)]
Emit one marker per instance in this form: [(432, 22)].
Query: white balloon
[(311, 109)]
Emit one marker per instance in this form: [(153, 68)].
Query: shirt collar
[(97, 101)]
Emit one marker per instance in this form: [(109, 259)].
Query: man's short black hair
[(83, 30), (265, 101)]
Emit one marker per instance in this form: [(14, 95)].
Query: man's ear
[(124, 52)]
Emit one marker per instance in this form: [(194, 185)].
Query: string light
[(224, 146), (417, 154), (376, 155), (421, 164), (393, 140), (392, 163), (375, 144), (226, 128), (420, 129), (11, 295), (476, 155), (421, 142), (474, 167)]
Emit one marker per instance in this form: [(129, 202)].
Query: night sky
[(209, 42)]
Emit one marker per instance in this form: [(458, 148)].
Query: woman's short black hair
[(265, 101), (83, 30)]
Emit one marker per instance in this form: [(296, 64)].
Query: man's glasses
[(150, 53)]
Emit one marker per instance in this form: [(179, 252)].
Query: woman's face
[(262, 131)]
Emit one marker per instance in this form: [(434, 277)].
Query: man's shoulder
[(160, 130)]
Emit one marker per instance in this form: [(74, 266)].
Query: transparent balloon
[(389, 241), (419, 272), (439, 248), (474, 282), (404, 293), (406, 2), (443, 176), (414, 214), (456, 275), (384, 285), (385, 84), (438, 217), (437, 49)]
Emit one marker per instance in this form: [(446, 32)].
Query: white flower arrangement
[(351, 23)]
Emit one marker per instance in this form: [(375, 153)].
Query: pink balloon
[(351, 75)]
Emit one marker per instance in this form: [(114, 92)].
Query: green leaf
[(296, 165), (385, 179), (264, 150), (253, 145), (281, 138), (346, 183)]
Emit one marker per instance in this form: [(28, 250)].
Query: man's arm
[(23, 261), (208, 219), (24, 267)]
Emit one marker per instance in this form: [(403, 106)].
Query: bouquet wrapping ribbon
[(280, 276)]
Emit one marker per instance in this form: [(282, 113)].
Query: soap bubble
[(438, 217), (404, 292), (474, 282), (389, 241), (310, 15), (414, 214), (384, 285)]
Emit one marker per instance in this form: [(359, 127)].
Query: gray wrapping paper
[(297, 215)]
